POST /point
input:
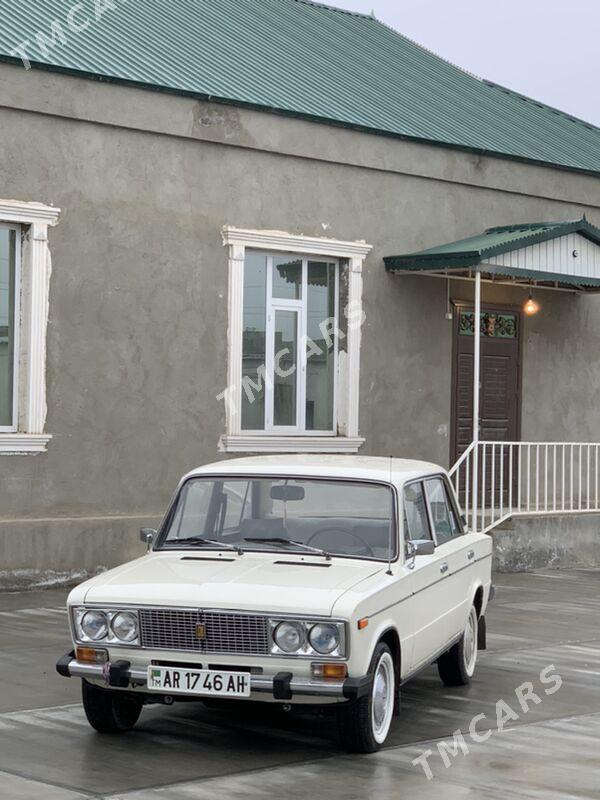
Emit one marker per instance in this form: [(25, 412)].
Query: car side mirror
[(424, 547), (464, 520), (418, 547), (148, 535)]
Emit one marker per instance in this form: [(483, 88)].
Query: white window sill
[(289, 444), (14, 444)]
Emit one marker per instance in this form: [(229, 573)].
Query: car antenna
[(389, 569)]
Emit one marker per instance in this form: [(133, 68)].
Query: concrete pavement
[(187, 751)]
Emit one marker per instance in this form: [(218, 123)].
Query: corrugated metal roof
[(475, 250), (299, 58)]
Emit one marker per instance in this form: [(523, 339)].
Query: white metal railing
[(495, 481)]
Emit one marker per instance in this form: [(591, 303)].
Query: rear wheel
[(457, 666), (108, 711), (365, 723)]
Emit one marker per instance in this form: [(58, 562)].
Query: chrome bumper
[(282, 686)]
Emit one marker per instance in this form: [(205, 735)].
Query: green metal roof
[(299, 58), (473, 251)]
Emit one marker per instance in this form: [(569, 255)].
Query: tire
[(457, 666), (108, 711), (364, 724)]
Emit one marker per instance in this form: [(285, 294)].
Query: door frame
[(461, 305)]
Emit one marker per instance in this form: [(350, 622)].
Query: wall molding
[(290, 444), (22, 443), (35, 268), (289, 242), (28, 213)]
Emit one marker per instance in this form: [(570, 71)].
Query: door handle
[(444, 569), (471, 555)]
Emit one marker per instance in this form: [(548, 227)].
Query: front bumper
[(281, 686)]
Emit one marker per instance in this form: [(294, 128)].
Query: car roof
[(377, 468)]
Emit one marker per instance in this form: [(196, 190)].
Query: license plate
[(198, 681)]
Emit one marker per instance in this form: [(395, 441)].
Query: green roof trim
[(471, 252), (296, 58)]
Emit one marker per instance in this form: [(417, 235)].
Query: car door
[(428, 605), (456, 552)]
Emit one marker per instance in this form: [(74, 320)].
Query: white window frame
[(345, 437), (32, 220), (13, 427)]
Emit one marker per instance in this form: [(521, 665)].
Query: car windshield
[(341, 518)]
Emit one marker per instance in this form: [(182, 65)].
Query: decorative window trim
[(354, 253), (35, 267)]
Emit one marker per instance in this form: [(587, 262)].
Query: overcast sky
[(546, 49)]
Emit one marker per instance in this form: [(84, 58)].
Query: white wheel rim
[(470, 643), (382, 698)]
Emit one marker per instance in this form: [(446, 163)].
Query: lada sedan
[(328, 580)]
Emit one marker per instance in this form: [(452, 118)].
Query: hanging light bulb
[(531, 307)]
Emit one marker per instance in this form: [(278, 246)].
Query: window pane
[(454, 524), (436, 494), (320, 347), (415, 513), (287, 278), (7, 324), (254, 341), (286, 348)]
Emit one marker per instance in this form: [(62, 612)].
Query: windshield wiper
[(281, 540), (202, 540)]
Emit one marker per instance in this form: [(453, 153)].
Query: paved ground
[(48, 751)]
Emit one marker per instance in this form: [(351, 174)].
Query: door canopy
[(553, 254)]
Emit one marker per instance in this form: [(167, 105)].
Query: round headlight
[(324, 638), (124, 626), (94, 625), (289, 636)]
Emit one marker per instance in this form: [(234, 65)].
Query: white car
[(292, 580)]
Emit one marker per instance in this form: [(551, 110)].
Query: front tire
[(457, 666), (108, 711), (365, 723)]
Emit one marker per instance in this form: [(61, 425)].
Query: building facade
[(165, 260)]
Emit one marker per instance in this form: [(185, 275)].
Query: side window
[(454, 520), (416, 523), (444, 521)]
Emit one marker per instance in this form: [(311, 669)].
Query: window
[(290, 345), (295, 316), (24, 284), (341, 517), (444, 520), (416, 523), (10, 246)]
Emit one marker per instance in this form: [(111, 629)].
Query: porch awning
[(553, 254)]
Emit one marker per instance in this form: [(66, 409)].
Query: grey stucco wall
[(528, 543), (138, 308)]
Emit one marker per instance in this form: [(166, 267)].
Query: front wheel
[(365, 723), (108, 711), (457, 666)]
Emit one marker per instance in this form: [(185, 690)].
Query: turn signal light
[(362, 623), (339, 671), (89, 655)]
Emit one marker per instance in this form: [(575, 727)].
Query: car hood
[(282, 583)]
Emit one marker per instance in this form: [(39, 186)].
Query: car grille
[(204, 631)]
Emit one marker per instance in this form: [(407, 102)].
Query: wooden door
[(500, 381)]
